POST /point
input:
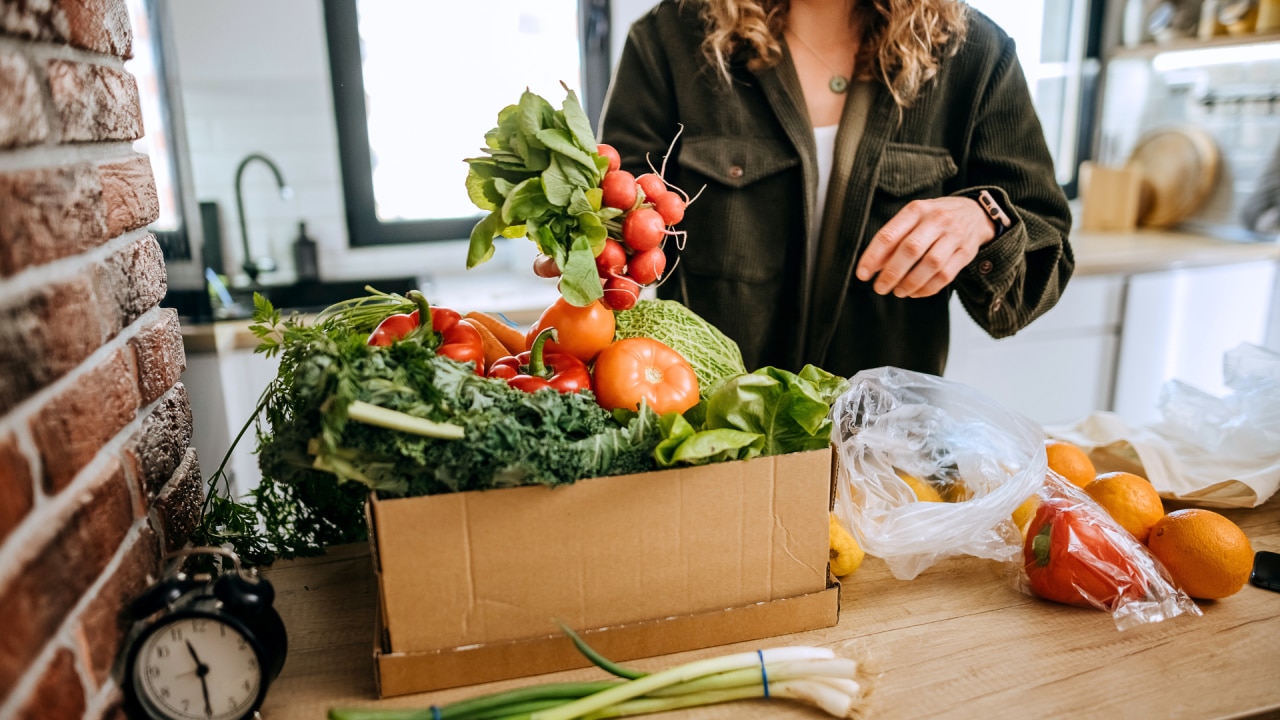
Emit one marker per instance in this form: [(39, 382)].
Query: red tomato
[(583, 331), (629, 371)]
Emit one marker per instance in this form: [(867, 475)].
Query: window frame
[(364, 228)]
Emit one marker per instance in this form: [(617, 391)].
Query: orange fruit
[(1207, 555), (1070, 462), (1027, 510), (1130, 500)]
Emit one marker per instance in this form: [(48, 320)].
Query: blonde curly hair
[(901, 45)]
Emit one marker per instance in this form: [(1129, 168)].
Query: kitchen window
[(416, 85), (1059, 48)]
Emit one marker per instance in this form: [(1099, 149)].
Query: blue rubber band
[(764, 674), (435, 713)]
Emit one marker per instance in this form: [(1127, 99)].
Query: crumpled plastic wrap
[(1207, 450)]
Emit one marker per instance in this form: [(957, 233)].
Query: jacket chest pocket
[(740, 227), (912, 172)]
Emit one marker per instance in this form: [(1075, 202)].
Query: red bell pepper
[(458, 341), (1070, 558), (535, 369)]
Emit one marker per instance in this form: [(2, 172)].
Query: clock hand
[(204, 687), (191, 649)]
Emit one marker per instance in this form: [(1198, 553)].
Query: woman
[(846, 148)]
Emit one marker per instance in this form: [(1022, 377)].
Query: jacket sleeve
[(1020, 275), (640, 113)]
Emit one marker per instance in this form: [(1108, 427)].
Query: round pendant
[(838, 84)]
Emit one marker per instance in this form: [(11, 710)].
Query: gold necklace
[(838, 82)]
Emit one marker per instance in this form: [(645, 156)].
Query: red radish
[(619, 189), (544, 266), (612, 259), (670, 207), (652, 185), (621, 293), (608, 151), (643, 228), (647, 266)]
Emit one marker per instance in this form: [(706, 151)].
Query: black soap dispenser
[(305, 263)]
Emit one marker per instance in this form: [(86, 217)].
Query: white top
[(825, 138)]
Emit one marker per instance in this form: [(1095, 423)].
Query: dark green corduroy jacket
[(751, 145)]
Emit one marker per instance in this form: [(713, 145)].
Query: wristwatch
[(992, 208)]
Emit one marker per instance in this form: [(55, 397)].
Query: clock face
[(197, 668)]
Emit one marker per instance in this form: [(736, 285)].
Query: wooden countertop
[(1095, 253), (956, 641)]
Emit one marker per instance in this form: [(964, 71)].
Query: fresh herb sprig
[(540, 178)]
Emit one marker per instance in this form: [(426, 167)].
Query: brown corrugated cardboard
[(471, 584)]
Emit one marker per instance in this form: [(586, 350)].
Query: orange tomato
[(629, 371), (581, 331)]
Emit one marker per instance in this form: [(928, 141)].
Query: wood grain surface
[(958, 641)]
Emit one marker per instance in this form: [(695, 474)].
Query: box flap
[(485, 567)]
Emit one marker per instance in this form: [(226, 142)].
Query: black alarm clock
[(204, 646)]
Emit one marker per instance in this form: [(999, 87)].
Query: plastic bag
[(892, 420), (1075, 553), (1208, 450)]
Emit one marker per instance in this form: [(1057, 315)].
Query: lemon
[(846, 556), (923, 490)]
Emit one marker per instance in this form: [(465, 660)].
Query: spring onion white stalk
[(396, 420), (683, 673)]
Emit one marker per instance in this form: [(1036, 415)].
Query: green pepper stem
[(425, 323), (537, 366), (1040, 544)]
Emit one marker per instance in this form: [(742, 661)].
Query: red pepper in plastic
[(535, 369), (1070, 558), (458, 341)]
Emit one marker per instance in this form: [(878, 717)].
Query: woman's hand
[(922, 249)]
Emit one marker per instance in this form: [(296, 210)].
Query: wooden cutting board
[(1179, 166)]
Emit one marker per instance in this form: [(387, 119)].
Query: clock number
[(186, 705), (248, 685), (162, 651), (241, 643), (253, 663), (153, 671), (198, 626), (164, 692), (175, 634)]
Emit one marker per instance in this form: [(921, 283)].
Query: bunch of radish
[(650, 208), (632, 256)]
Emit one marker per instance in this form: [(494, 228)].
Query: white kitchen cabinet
[(224, 388), (1056, 370), (1178, 325)]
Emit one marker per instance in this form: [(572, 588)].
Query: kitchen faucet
[(251, 267)]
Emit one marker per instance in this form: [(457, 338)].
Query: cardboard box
[(472, 584)]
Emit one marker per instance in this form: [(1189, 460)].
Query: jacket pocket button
[(735, 171), (984, 267)]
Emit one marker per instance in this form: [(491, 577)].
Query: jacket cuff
[(996, 265)]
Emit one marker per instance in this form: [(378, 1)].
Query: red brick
[(71, 429), (43, 336), (17, 493), (49, 213), (39, 597), (178, 506), (162, 442), (100, 25), (102, 624), (59, 693), (130, 283), (160, 356), (94, 102), (129, 190), (22, 119), (35, 19)]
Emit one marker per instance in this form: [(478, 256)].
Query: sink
[(313, 296)]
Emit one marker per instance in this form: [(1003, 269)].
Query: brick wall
[(97, 478)]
